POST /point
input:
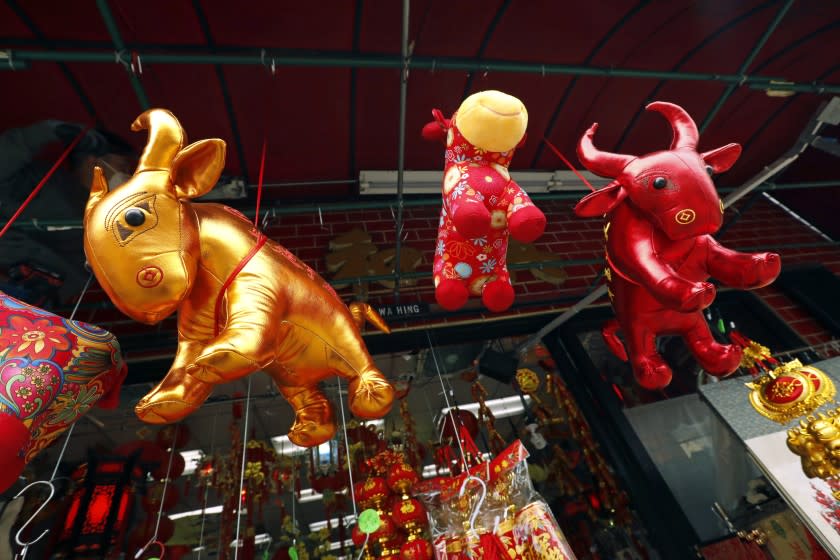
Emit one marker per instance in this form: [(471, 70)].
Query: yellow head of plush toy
[(492, 120)]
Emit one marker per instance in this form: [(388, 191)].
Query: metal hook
[(143, 550), (480, 503), (23, 527)]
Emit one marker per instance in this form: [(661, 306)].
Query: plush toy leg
[(314, 422), (717, 359), (745, 271), (497, 295), (370, 395), (451, 294), (610, 333), (471, 220), (526, 224), (649, 369), (177, 396), (15, 440)]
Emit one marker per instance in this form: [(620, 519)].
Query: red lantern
[(98, 509), (417, 549), (152, 456), (371, 492), (408, 513), (401, 477)]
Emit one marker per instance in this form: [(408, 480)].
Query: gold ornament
[(817, 442), (789, 391), (244, 303)]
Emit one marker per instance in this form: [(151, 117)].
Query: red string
[(261, 239), (43, 181), (568, 163), (260, 179)]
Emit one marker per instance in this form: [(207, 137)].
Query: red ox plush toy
[(661, 211), (52, 371), (481, 204)]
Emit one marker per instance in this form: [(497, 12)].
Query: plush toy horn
[(605, 164), (685, 130), (166, 138)]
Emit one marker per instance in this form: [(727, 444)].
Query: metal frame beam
[(226, 98), (114, 32), (730, 89), (350, 60), (405, 55)]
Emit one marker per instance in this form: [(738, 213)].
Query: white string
[(206, 491), (347, 449), (166, 481), (242, 472), (73, 425), (448, 406)]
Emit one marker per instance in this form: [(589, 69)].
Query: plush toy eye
[(134, 217), (710, 170), (660, 183)]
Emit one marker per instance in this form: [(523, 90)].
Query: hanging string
[(347, 450), (242, 472), (206, 491), (294, 503), (568, 164), (260, 178), (43, 181), (448, 405), (154, 538), (73, 425)]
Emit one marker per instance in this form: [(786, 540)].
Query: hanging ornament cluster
[(785, 391), (485, 415), (401, 517), (661, 212), (456, 449), (492, 512), (245, 303), (482, 205)]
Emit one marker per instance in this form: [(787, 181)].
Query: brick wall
[(761, 226)]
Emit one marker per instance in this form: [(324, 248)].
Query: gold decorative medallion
[(789, 391)]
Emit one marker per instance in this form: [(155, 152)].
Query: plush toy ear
[(602, 201), (436, 130), (722, 158), (197, 168)]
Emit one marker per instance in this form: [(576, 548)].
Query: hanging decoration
[(52, 371), (661, 211), (485, 415), (386, 493), (501, 516), (245, 303), (785, 391), (100, 506), (482, 205)]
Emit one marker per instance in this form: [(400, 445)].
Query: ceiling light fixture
[(427, 182)]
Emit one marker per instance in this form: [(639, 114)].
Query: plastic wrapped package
[(492, 512)]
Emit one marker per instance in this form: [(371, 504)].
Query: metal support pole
[(350, 60), (401, 146), (730, 89), (114, 31)]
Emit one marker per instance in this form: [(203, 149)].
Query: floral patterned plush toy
[(481, 204), (52, 371)]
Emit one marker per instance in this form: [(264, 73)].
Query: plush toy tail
[(12, 449), (362, 312), (609, 332), (436, 130)]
